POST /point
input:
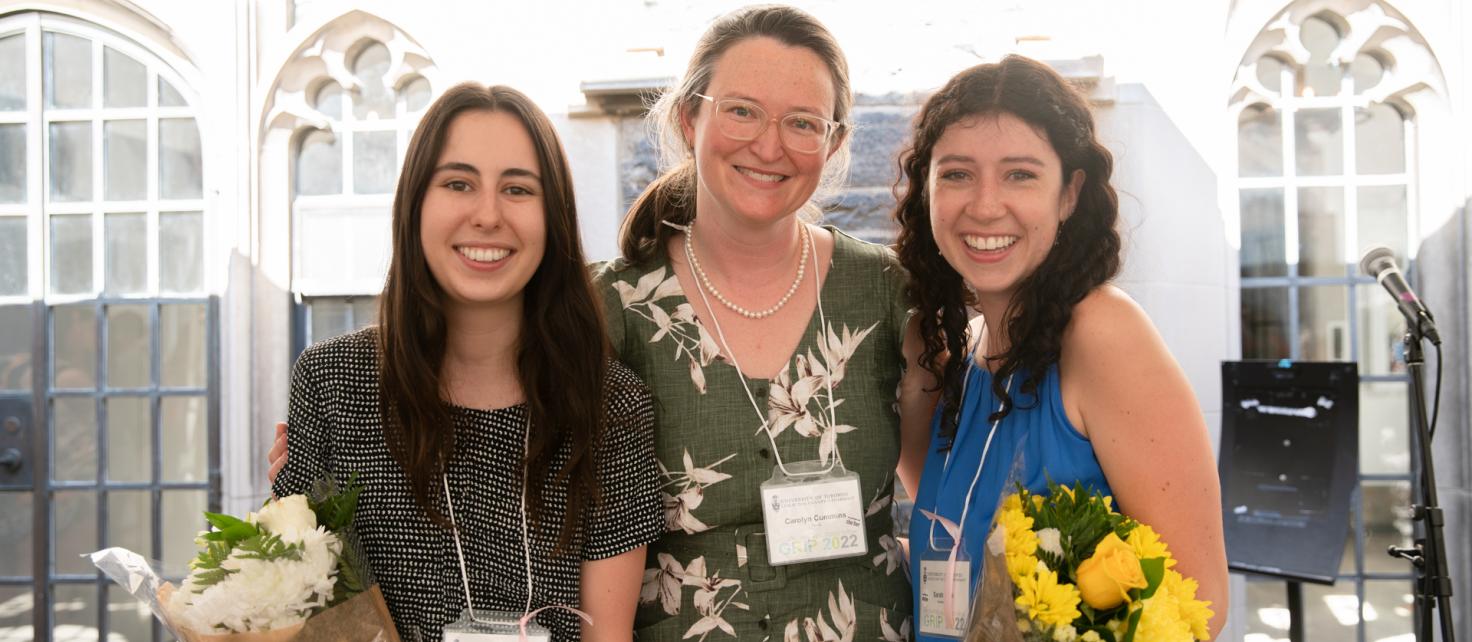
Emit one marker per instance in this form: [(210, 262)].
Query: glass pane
[(1321, 232), (373, 162), (185, 439), (127, 346), (1270, 74), (125, 150), (1367, 72), (13, 72), (181, 520), (1392, 606), (1264, 241), (1380, 328), (16, 604), (74, 345), (1332, 612), (1387, 506), (416, 94), (181, 333), (1382, 220), (1379, 140), (1323, 317), (129, 439), (1320, 139), (15, 349), (329, 100), (75, 610), (168, 96), (15, 536), (126, 253), (130, 520), (71, 253), (125, 81), (74, 530), (1265, 323), (129, 619), (68, 70), (74, 443), (13, 163), (329, 317), (1267, 610), (71, 161), (180, 173), (181, 269), (373, 98), (319, 164), (1385, 415), (1259, 142), (365, 311), (13, 255), (1321, 76)]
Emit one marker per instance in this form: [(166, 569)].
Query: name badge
[(494, 626), (813, 517), (936, 572)]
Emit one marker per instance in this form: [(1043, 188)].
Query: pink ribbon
[(528, 617)]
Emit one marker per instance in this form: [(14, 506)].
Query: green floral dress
[(708, 577)]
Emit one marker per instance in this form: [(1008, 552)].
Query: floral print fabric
[(707, 578)]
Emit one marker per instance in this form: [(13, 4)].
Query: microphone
[(1379, 262)]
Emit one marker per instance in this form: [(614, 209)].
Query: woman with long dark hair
[(505, 458), (774, 348), (1008, 214)]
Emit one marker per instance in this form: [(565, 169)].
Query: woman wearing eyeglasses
[(774, 349)]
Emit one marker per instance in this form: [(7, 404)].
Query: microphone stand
[(1428, 554)]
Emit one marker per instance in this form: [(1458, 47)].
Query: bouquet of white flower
[(292, 571)]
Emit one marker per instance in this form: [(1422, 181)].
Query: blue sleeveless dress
[(1036, 438)]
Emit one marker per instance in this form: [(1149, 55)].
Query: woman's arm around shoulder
[(1129, 396)]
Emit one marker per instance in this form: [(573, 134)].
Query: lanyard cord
[(525, 541), (945, 467), (766, 423)]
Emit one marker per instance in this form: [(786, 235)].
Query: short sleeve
[(604, 274), (629, 513), (308, 438)]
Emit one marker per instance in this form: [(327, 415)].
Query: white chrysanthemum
[(1048, 540), (263, 595)]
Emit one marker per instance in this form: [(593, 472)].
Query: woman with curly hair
[(1009, 216)]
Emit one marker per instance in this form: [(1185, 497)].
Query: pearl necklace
[(802, 265)]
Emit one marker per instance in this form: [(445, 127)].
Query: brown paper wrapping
[(364, 618), (994, 612)]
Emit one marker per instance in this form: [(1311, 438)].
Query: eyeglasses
[(745, 120)]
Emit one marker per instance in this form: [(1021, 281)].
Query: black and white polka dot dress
[(335, 428)]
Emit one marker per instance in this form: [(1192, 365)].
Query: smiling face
[(482, 221), (997, 197), (759, 180)]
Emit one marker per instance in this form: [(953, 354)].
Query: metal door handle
[(10, 460)]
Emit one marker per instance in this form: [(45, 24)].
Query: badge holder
[(813, 512), (944, 581), (494, 626)]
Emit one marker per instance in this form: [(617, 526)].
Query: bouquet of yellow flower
[(1076, 570)]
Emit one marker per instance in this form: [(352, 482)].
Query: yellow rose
[(1105, 579)]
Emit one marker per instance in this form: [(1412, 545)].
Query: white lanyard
[(946, 466), (525, 541), (766, 424)]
